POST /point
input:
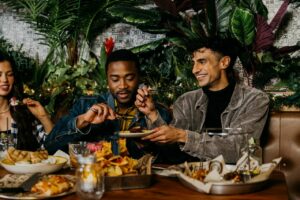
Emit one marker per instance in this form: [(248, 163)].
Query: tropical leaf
[(242, 26), (287, 49), (264, 35), (224, 10), (257, 6), (197, 27), (134, 15), (174, 7), (167, 5), (151, 46), (211, 18), (279, 15)]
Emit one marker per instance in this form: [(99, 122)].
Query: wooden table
[(165, 188)]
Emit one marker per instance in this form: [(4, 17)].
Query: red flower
[(109, 45)]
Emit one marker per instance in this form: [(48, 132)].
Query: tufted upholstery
[(282, 139)]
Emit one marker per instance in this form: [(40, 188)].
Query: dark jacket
[(65, 131)]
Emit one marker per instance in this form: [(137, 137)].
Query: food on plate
[(52, 185), (237, 176), (136, 129), (200, 174), (13, 156)]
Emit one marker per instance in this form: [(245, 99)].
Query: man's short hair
[(122, 55), (225, 47)]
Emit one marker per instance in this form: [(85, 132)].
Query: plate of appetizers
[(28, 162), (48, 186)]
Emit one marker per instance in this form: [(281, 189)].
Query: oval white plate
[(44, 168)]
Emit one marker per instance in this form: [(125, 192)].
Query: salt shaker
[(90, 179)]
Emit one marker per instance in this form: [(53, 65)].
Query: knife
[(24, 187)]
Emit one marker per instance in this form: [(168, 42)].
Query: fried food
[(52, 185), (13, 155), (200, 174)]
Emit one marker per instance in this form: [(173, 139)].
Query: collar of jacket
[(235, 101)]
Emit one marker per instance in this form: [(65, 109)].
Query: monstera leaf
[(242, 26)]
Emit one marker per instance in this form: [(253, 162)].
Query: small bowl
[(44, 168)]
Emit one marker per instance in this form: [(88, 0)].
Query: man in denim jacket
[(94, 118), (220, 103)]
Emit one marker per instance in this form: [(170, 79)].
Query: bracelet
[(77, 130)]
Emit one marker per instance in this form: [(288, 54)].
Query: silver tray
[(231, 189)]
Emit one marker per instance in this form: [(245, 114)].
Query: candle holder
[(90, 179)]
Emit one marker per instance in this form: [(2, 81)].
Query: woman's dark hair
[(21, 115), (122, 55)]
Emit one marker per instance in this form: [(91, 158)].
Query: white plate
[(44, 168), (30, 195), (128, 134)]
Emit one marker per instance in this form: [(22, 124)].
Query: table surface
[(170, 188)]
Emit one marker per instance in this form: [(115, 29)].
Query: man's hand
[(145, 104), (97, 114), (167, 134)]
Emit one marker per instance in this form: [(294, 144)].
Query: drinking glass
[(90, 182), (76, 149)]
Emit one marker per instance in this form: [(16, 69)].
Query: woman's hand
[(40, 113), (145, 104), (35, 108), (167, 134)]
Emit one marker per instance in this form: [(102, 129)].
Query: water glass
[(90, 182), (76, 149)]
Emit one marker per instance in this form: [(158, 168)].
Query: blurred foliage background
[(72, 69)]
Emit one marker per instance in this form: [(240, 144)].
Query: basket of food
[(121, 171)]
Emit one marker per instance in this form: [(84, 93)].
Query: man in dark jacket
[(96, 118)]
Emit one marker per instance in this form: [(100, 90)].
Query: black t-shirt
[(217, 102)]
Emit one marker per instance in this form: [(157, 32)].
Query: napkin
[(65, 155)]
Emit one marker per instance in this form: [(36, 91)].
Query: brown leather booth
[(282, 139)]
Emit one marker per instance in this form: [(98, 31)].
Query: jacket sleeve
[(65, 130), (164, 117), (251, 119)]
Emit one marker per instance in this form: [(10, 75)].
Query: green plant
[(187, 23), (166, 69), (68, 28)]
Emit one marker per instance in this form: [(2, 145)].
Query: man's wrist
[(80, 122), (153, 115), (182, 136)]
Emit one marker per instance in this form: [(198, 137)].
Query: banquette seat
[(282, 139)]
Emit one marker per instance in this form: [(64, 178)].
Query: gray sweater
[(247, 109)]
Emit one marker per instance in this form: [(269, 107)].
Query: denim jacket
[(65, 130), (247, 109)]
